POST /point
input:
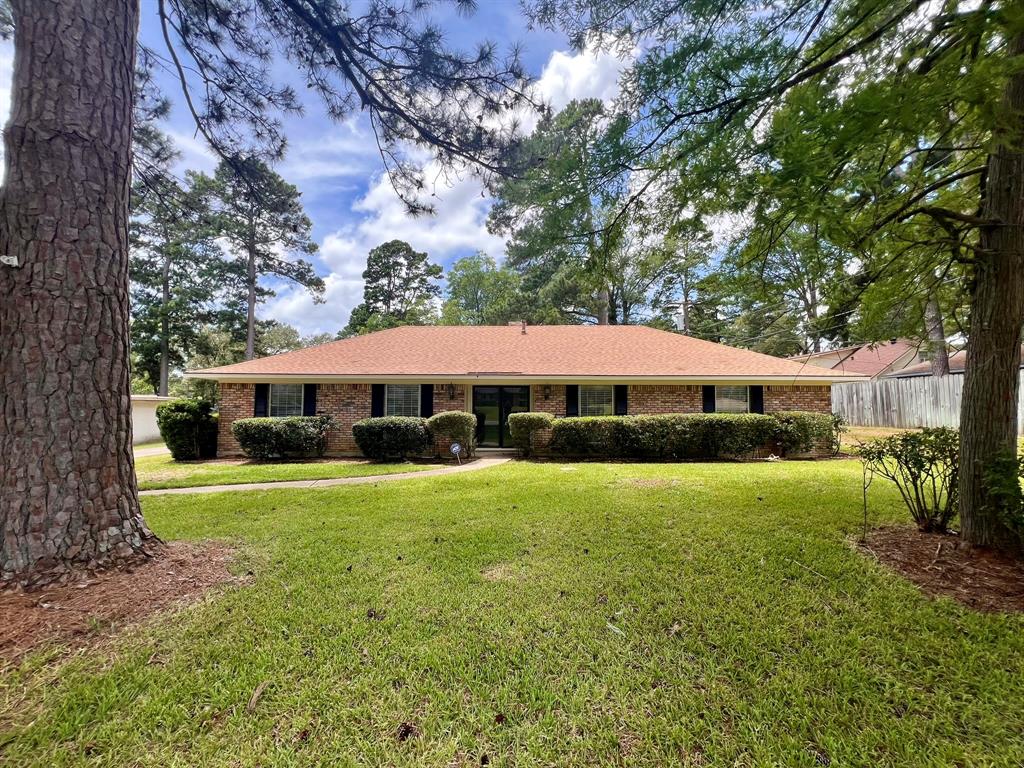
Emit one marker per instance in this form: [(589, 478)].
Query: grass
[(151, 444), (535, 615), (156, 472), (854, 436)]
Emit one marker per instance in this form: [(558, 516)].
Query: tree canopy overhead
[(387, 60), (896, 130)]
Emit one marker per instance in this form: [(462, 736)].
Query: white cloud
[(343, 150), (196, 154), (589, 74), (459, 224)]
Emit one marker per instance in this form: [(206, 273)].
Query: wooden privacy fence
[(919, 401)]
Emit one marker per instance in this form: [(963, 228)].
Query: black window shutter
[(309, 399), (426, 400), (709, 398), (261, 400), (621, 398), (572, 400), (757, 399), (376, 400)]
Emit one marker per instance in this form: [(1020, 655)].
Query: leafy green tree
[(400, 288), (260, 217), (481, 293), (274, 337), (871, 119), (560, 224), (176, 274)]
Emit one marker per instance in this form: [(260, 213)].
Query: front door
[(491, 406)]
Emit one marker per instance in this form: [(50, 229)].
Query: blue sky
[(338, 172)]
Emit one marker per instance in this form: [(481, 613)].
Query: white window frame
[(270, 401), (387, 399), (745, 389), (610, 389)]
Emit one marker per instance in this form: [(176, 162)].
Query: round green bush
[(391, 437), (188, 428), (803, 431), (523, 427), (457, 426), (288, 437)]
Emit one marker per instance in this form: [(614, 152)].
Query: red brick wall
[(644, 399), (236, 402), (442, 402), (347, 404), (797, 398), (553, 404)]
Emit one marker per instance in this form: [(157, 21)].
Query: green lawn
[(541, 615), (151, 444), (156, 472)]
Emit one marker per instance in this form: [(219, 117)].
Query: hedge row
[(288, 437), (674, 437), (396, 437)]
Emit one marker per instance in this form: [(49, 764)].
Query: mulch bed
[(940, 565), (97, 604)]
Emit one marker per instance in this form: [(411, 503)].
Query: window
[(732, 399), (285, 399), (402, 400), (597, 401)]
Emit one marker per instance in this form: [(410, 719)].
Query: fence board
[(921, 401)]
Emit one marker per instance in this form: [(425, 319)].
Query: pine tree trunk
[(936, 336), (988, 419), (68, 496), (165, 329), (250, 308)]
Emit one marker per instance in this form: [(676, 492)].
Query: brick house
[(491, 371)]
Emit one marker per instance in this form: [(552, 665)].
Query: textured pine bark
[(68, 496), (988, 417)]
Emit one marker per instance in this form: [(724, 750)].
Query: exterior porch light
[(547, 391), (451, 391)]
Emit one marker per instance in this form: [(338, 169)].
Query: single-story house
[(492, 371), (870, 359)]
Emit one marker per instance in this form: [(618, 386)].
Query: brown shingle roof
[(866, 359), (957, 364), (554, 351)]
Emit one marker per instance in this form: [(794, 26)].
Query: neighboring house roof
[(957, 364), (875, 359), (503, 352)]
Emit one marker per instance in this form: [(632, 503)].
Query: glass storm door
[(491, 406)]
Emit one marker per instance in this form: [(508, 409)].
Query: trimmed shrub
[(925, 467), (188, 428), (391, 437), (457, 426), (803, 431), (523, 426), (670, 436), (288, 437)]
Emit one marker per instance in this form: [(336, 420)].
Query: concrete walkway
[(471, 466)]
